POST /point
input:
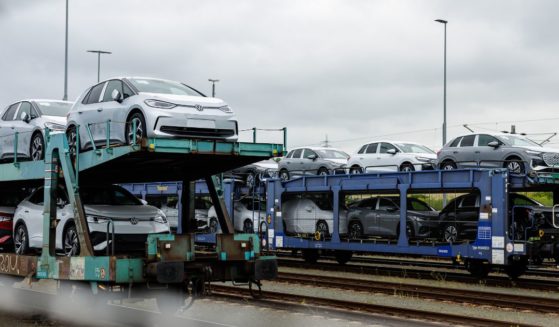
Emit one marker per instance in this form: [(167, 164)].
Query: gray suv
[(313, 161), (515, 152)]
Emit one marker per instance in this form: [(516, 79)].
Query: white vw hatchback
[(131, 108), (131, 218)]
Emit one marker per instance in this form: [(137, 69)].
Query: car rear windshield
[(332, 154), (414, 148), (162, 87), (54, 108), (110, 195), (514, 140)]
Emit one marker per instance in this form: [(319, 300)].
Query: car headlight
[(54, 126), (159, 104), (200, 216), (97, 219), (423, 159), (534, 153), (160, 219), (226, 109)]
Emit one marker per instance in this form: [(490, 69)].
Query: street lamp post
[(65, 97), (213, 81), (99, 52), (444, 103)]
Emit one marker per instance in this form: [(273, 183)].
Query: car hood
[(337, 161), (55, 119), (266, 164), (185, 100), (143, 212), (424, 214), (425, 155), (541, 149), (7, 210)]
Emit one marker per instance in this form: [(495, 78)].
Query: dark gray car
[(515, 152), (380, 216), (312, 161)]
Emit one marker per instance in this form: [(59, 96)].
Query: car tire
[(407, 167), (322, 171), (248, 227), (71, 136), (139, 121), (284, 175), (448, 165), (213, 225), (251, 179), (355, 230), (37, 147), (71, 241), (21, 239), (321, 230), (450, 233), (515, 165), (356, 170)]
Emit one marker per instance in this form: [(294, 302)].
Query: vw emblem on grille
[(198, 107), (134, 221)]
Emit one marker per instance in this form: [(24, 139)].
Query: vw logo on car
[(134, 221), (198, 107)]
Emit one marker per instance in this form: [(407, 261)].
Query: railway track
[(520, 302), (288, 301), (418, 273)]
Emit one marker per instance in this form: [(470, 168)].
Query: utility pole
[(99, 53), (65, 97), (444, 87), (213, 81)]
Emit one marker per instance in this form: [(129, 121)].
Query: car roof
[(317, 148), (41, 100)]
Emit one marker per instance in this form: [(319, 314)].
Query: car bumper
[(181, 123), (122, 242)]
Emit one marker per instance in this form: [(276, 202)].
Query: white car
[(392, 156), (310, 214), (247, 216), (154, 107), (29, 118), (201, 207), (132, 220)]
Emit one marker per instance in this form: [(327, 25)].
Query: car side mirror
[(116, 96), (144, 202), (309, 209), (391, 151), (25, 117), (494, 144), (312, 157)]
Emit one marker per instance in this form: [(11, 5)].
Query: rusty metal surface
[(17, 265)]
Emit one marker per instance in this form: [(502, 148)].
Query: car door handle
[(455, 152), (80, 112), (477, 152), (26, 211), (99, 110)]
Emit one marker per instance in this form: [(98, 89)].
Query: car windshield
[(515, 140), (332, 154), (109, 195), (162, 87), (414, 148), (54, 108)]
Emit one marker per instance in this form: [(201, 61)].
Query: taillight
[(5, 218)]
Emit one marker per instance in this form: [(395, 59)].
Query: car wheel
[(448, 165), (136, 120), (250, 179), (70, 241), (322, 171), (247, 227), (213, 225), (284, 175), (21, 239), (450, 233), (321, 230), (515, 165), (355, 230), (355, 170), (37, 148), (407, 167), (71, 135)]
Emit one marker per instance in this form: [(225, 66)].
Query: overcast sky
[(356, 71)]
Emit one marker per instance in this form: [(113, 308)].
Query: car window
[(9, 115), (94, 94), (201, 203), (54, 108), (362, 150), (126, 91), (452, 205), (368, 203), (455, 142), (521, 200), (290, 154), (24, 108), (37, 197), (468, 141), (484, 140), (469, 201), (418, 205), (372, 148), (385, 204), (297, 153), (163, 87), (111, 86), (384, 147), (309, 152)]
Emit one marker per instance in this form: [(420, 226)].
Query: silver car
[(501, 150), (29, 118), (312, 161), (124, 110)]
